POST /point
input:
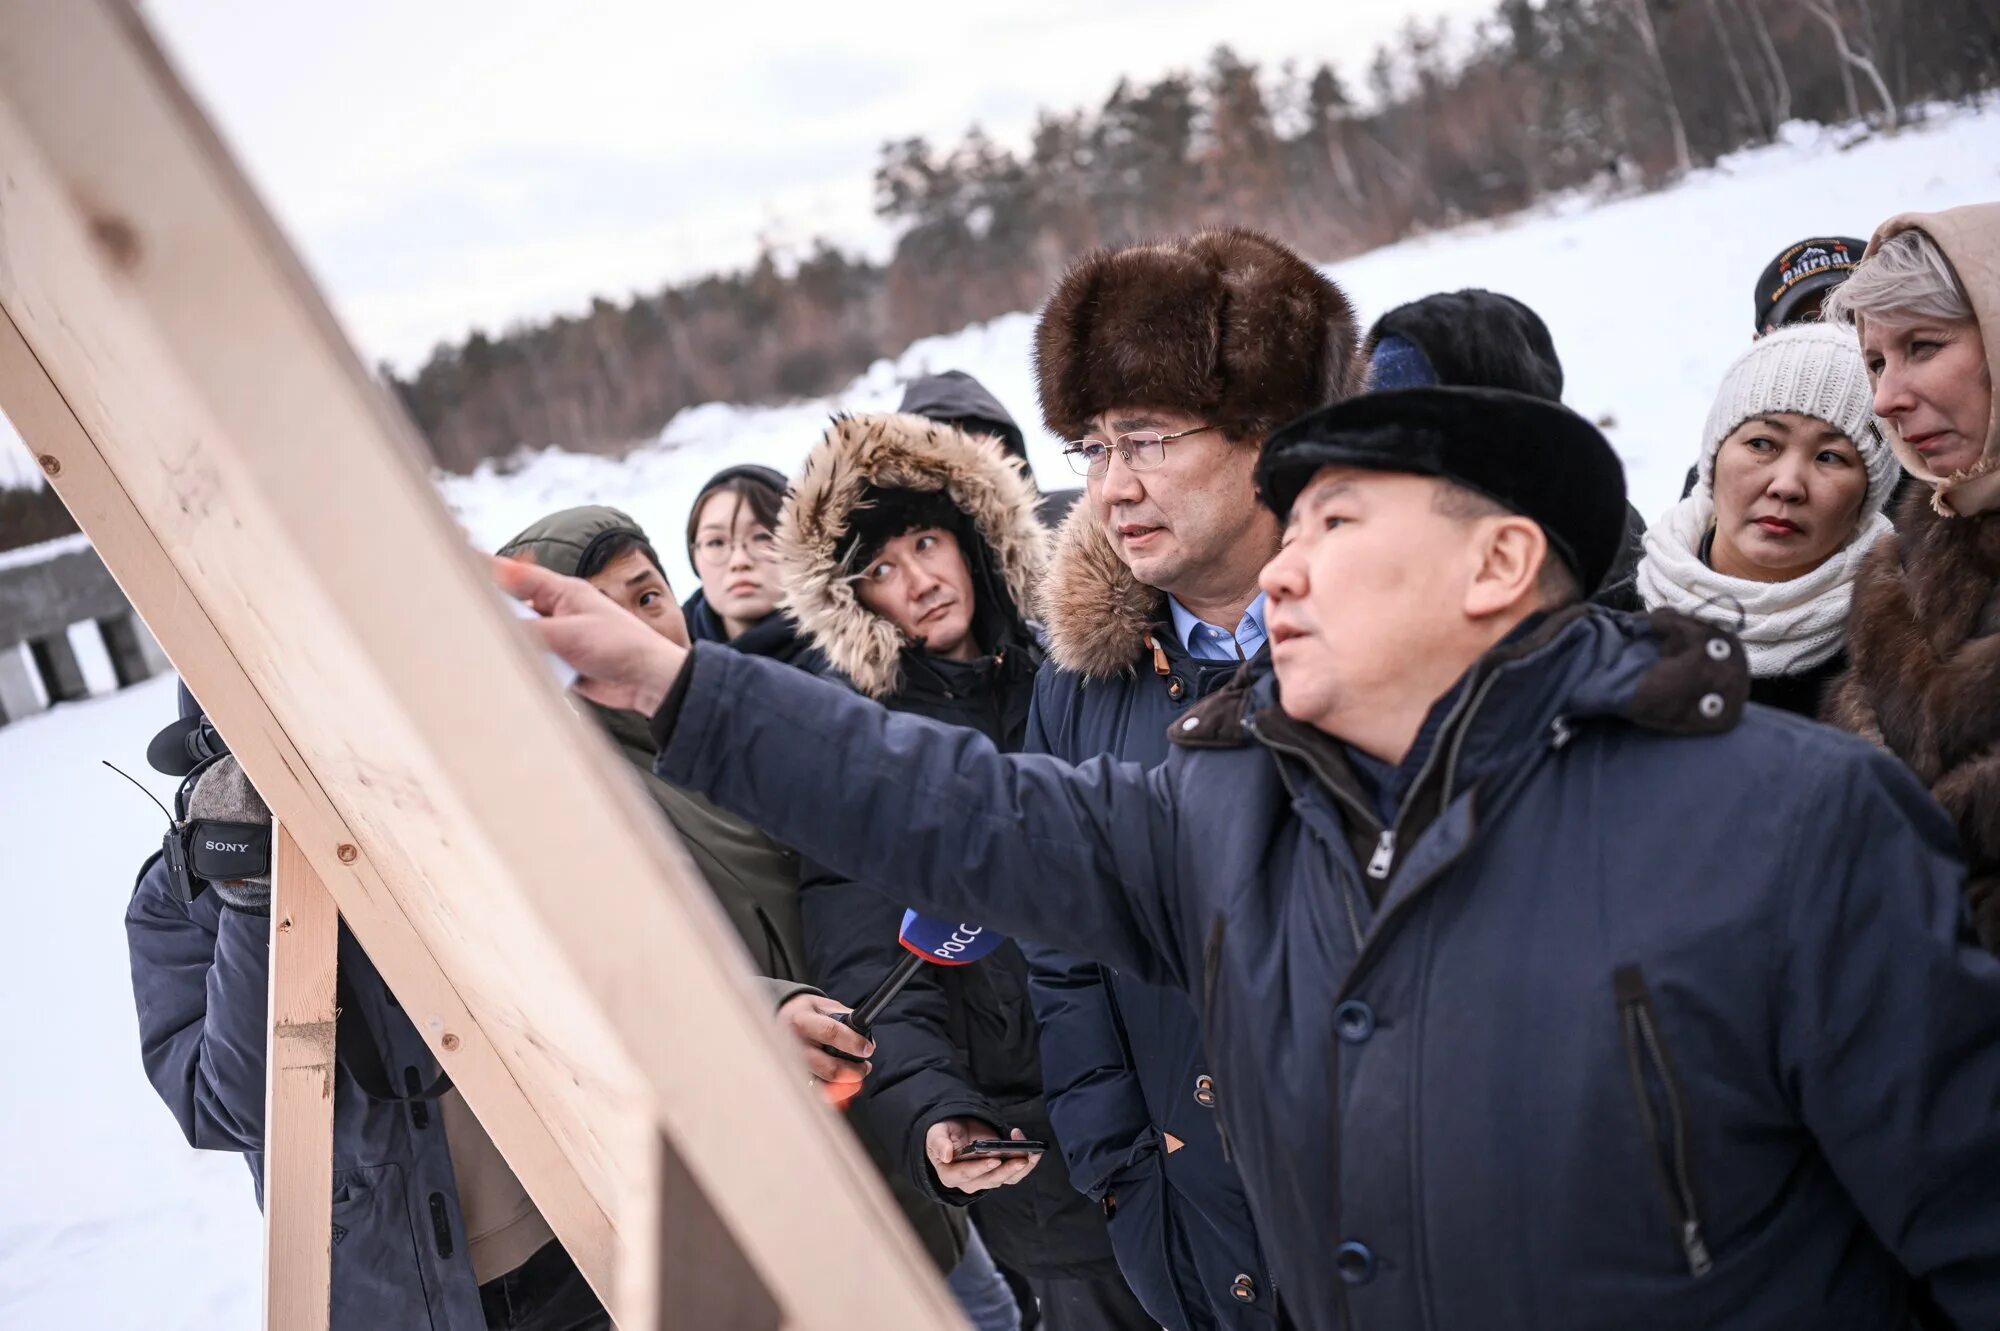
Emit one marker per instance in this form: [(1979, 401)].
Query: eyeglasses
[(713, 551), (1141, 449)]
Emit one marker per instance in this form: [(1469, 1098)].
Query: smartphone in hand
[(1001, 1146)]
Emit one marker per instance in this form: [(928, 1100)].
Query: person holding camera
[(431, 1229)]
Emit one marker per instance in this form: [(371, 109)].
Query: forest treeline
[(1451, 124)]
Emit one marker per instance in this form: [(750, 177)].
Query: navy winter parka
[(1668, 1016), (201, 979), (1130, 1092), (1122, 1061)]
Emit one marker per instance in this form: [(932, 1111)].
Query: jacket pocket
[(378, 1276), (1135, 1215), (1662, 1113)]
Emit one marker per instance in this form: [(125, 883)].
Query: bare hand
[(624, 663), (808, 1019), (981, 1173)]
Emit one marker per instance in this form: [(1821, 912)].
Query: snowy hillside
[(107, 1220), (1647, 297)]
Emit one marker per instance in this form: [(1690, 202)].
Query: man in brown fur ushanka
[(1166, 365)]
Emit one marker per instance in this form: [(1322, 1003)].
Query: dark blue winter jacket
[(1129, 1090), (201, 976), (1659, 1011)]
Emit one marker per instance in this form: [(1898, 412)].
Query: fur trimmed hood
[(860, 454), (1969, 237), (1228, 325), (1097, 615)]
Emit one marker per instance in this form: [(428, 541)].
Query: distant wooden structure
[(47, 593), (262, 502)]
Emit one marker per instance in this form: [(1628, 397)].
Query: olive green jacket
[(755, 880)]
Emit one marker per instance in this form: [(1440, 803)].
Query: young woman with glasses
[(731, 544)]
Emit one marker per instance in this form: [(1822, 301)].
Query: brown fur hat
[(860, 457), (1228, 325)]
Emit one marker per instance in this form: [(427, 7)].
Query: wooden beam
[(142, 567), (426, 765), (706, 1280), (298, 1099)]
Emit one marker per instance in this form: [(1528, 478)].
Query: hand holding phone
[(971, 1155), (1001, 1146)]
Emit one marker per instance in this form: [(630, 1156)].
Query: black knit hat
[(884, 514), (1471, 338), (1532, 456), (748, 479), (742, 471)]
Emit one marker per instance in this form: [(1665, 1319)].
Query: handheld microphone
[(926, 942)]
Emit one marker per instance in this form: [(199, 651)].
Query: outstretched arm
[(1023, 844)]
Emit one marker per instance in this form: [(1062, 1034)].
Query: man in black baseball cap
[(1793, 284)]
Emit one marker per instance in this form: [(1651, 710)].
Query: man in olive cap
[(1554, 987)]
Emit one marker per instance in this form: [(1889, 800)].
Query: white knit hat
[(1815, 370)]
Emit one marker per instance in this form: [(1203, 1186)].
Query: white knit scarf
[(1787, 627)]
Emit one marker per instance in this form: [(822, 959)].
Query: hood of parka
[(863, 457), (562, 540)]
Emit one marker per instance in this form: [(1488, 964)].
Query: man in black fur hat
[(1545, 984)]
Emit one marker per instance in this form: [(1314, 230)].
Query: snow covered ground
[(107, 1220)]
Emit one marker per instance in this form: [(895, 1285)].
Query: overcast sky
[(446, 164)]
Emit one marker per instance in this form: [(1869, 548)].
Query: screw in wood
[(347, 853), (450, 1043), (50, 464)]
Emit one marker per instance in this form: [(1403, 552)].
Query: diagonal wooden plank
[(148, 578), (285, 489)]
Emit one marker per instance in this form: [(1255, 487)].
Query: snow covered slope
[(1648, 298), (107, 1220)]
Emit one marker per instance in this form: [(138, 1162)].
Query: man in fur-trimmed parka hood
[(874, 478), (910, 550), (1152, 603)]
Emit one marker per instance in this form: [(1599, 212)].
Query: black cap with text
[(1789, 284)]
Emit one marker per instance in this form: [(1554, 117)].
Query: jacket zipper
[(1383, 862), (1646, 1060), (1384, 858), (1211, 968), (1456, 724)]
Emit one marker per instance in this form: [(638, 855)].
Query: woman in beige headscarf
[(1924, 638)]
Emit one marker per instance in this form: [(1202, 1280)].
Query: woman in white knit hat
[(1794, 475)]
